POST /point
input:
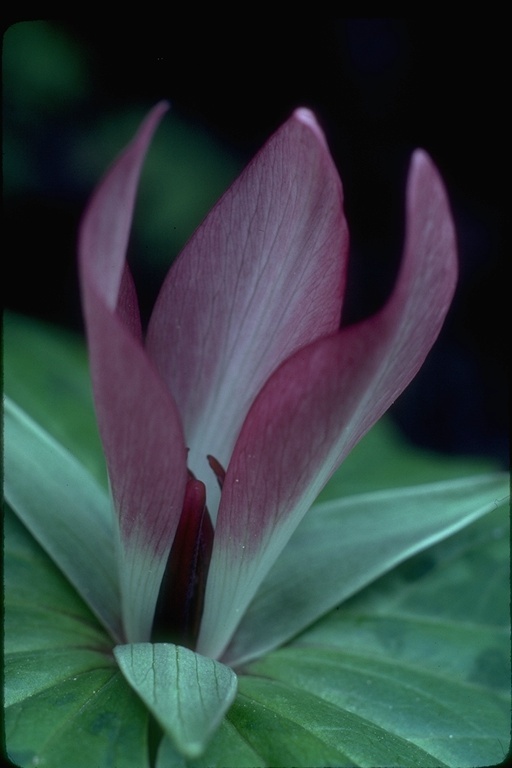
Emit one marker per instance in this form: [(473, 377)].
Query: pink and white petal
[(137, 417), (107, 222), (262, 276), (128, 305), (319, 404)]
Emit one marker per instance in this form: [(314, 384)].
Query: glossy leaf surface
[(341, 546), (66, 702), (65, 509), (186, 692)]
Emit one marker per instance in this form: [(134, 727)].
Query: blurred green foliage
[(60, 136), (43, 70)]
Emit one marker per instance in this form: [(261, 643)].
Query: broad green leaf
[(187, 693), (227, 748), (65, 510), (66, 703), (273, 725), (380, 714), (291, 726), (424, 653), (46, 374), (341, 546), (88, 719)]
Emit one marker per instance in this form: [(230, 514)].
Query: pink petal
[(262, 277), (319, 403), (138, 420)]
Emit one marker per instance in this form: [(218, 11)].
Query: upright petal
[(262, 276), (138, 420), (319, 403)]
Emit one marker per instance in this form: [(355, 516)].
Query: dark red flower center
[(181, 598)]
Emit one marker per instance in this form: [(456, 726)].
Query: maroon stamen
[(181, 599), (220, 472)]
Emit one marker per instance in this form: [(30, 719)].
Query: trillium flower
[(222, 425), (210, 564)]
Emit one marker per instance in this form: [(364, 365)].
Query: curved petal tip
[(160, 109), (423, 172), (307, 118)]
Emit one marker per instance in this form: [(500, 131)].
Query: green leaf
[(227, 748), (274, 725), (342, 546), (66, 703), (65, 509), (46, 374), (422, 654), (187, 693), (289, 726)]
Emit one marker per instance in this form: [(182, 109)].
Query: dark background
[(380, 88)]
